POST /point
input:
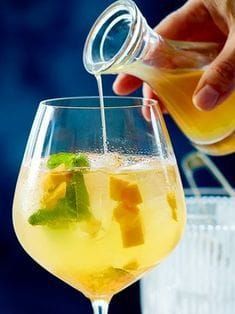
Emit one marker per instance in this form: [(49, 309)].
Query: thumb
[(218, 82)]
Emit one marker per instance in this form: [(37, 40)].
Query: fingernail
[(206, 98)]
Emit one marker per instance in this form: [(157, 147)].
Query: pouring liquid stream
[(102, 111)]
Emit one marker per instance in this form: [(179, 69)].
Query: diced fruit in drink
[(171, 199), (131, 195), (125, 214), (132, 233), (130, 223), (117, 187), (48, 183), (52, 179), (123, 191), (50, 199)]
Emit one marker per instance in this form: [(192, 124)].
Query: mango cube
[(50, 199), (125, 214), (131, 195), (52, 179), (47, 182), (132, 233), (171, 199), (117, 187), (130, 223), (123, 191)]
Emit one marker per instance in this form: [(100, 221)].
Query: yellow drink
[(136, 218), (175, 88)]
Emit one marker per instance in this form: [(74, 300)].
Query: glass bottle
[(121, 41)]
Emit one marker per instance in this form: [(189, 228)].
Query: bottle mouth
[(112, 36)]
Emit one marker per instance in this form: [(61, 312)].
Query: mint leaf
[(77, 196), (80, 160), (61, 158), (82, 200), (73, 207), (60, 214), (70, 160)]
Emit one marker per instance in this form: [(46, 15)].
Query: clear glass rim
[(55, 102)]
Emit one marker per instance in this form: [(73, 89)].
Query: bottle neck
[(121, 37)]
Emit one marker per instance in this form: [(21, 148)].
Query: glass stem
[(100, 306)]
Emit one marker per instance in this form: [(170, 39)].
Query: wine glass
[(99, 200)]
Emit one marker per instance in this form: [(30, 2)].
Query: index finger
[(126, 84)]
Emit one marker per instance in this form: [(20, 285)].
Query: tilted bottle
[(121, 41)]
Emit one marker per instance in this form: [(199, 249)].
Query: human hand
[(199, 20)]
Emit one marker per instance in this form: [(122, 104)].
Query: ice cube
[(107, 161), (144, 164)]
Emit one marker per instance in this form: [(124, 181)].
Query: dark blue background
[(41, 57)]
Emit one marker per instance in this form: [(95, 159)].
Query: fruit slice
[(171, 199), (130, 223), (124, 214), (117, 187), (131, 195), (124, 191), (127, 214), (53, 178), (50, 199), (132, 233)]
